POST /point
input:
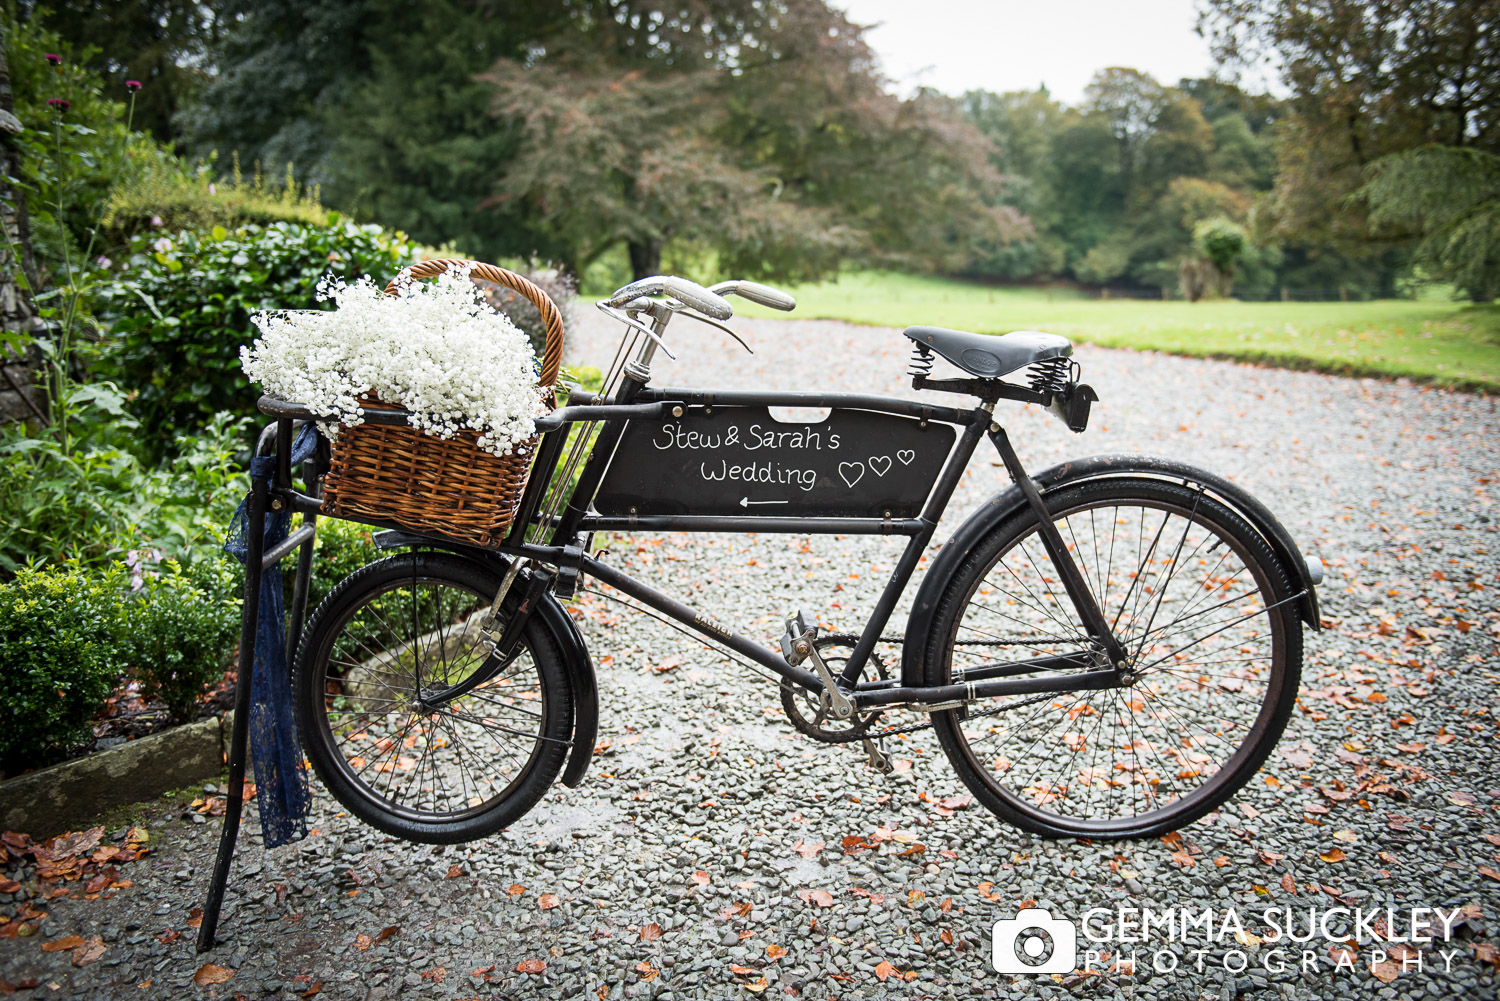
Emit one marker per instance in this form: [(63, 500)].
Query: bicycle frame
[(1103, 660)]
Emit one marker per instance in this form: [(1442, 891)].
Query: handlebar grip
[(765, 295), (690, 293)]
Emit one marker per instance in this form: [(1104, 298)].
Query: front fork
[(1078, 590)]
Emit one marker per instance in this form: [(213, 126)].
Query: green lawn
[(1445, 343)]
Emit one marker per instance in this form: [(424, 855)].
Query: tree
[(1450, 197), (161, 43), (758, 128), (1367, 79), (1218, 245), (286, 71)]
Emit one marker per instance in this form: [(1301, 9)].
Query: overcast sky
[(999, 45)]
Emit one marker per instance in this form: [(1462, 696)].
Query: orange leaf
[(1332, 855), (454, 871), (775, 951), (646, 970), (516, 889), (530, 966), (1183, 859), (195, 917), (208, 973), (700, 877), (313, 991), (743, 971), (1485, 870), (547, 901), (884, 970), (362, 942), (386, 933), (822, 898), (1385, 972), (1289, 884), (651, 932), (59, 944)]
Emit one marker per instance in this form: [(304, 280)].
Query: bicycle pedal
[(878, 759)]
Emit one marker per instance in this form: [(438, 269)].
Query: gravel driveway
[(704, 854)]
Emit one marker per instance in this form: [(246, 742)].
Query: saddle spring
[(921, 361), (1052, 375)]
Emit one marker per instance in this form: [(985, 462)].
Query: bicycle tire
[(478, 762), (1167, 733)]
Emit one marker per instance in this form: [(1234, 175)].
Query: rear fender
[(564, 633), (1007, 502)]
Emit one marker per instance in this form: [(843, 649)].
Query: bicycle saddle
[(991, 357)]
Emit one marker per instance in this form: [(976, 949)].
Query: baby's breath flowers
[(436, 348)]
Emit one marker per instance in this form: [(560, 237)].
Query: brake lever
[(715, 323), (631, 321)]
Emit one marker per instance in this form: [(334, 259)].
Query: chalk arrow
[(746, 502)]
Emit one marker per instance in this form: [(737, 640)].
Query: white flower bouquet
[(436, 348)]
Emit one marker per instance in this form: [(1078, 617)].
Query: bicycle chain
[(856, 736)]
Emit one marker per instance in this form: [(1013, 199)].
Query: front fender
[(565, 634), (1007, 502)]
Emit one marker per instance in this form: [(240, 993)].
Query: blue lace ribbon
[(281, 788)]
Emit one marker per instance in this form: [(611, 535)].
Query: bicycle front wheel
[(374, 684), (1204, 610)]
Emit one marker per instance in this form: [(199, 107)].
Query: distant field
[(1445, 343)]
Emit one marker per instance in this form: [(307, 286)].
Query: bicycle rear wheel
[(1204, 610), (372, 671)]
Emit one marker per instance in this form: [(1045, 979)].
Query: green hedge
[(60, 628), (179, 314)]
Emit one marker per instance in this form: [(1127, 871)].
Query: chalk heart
[(906, 455), (852, 472), (880, 464)]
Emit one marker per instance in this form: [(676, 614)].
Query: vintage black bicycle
[(1107, 649)]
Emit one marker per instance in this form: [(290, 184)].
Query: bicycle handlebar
[(756, 292), (691, 293)]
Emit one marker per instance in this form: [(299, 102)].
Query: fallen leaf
[(1485, 870), (454, 871), (547, 901), (1289, 884), (1385, 972), (1486, 952), (59, 944), (363, 941), (884, 970), (757, 985), (775, 952), (1183, 859), (1332, 855), (208, 973), (195, 917), (530, 966), (821, 898), (9, 886), (646, 970), (437, 975), (742, 971), (89, 952), (386, 933), (516, 889), (313, 991), (700, 877), (651, 932), (1347, 837)]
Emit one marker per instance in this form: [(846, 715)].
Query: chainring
[(808, 711)]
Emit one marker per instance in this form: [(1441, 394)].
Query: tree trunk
[(20, 397), (645, 258)]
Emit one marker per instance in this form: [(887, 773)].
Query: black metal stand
[(257, 563)]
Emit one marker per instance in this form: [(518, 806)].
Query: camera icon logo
[(1035, 942)]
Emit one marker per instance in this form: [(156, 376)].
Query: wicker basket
[(448, 486)]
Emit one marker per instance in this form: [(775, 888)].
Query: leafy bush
[(183, 627), (181, 312), (342, 547), (59, 626), (92, 501), (166, 194)]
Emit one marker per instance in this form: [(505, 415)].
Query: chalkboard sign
[(742, 461)]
